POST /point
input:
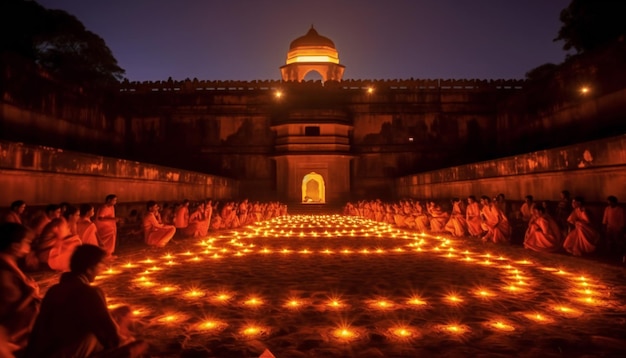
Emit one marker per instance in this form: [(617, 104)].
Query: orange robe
[(155, 233), (583, 238), (87, 231), (496, 224), (543, 234), (473, 220), (107, 229), (457, 225), (61, 252)]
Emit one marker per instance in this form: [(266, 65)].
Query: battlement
[(195, 85)]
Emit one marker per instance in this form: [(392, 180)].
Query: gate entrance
[(313, 188)]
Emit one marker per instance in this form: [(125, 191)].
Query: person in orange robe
[(543, 232), (15, 212), (457, 225), (495, 223), (181, 216), (613, 222), (19, 297), (472, 217), (59, 243), (85, 228), (155, 233), (106, 223), (438, 217), (582, 238)]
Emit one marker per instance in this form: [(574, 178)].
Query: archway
[(313, 75), (313, 188)]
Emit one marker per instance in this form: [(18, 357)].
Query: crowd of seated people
[(72, 319), (570, 228), (59, 229)]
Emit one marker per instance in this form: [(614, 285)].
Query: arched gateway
[(313, 188)]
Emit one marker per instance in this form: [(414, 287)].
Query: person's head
[(565, 194), (538, 210), (86, 211), (152, 206), (15, 239), (88, 260), (64, 205), (186, 202), (18, 206), (500, 197), (612, 200), (53, 211), (111, 199), (528, 198), (471, 199), (485, 200), (71, 214), (578, 201)]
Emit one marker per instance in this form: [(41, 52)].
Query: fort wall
[(593, 170), (42, 175)]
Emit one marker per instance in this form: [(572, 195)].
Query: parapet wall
[(190, 86), (42, 175), (593, 170)]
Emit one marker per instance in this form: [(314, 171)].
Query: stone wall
[(41, 175), (593, 170)]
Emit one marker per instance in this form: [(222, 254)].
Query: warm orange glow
[(345, 333), (278, 94), (253, 301), (502, 326), (251, 331)]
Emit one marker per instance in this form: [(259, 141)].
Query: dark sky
[(376, 39)]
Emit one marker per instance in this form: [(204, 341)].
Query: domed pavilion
[(312, 52)]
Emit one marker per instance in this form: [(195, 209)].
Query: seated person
[(55, 245), (155, 233), (495, 223), (457, 225), (14, 215), (543, 232), (74, 320), (19, 298), (583, 238)]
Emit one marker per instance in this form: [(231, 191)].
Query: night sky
[(376, 39)]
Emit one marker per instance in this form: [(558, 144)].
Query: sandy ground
[(333, 286)]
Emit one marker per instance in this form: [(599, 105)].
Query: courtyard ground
[(335, 286)]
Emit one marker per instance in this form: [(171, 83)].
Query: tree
[(58, 42), (589, 24)]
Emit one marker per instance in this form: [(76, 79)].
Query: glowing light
[(455, 329), (416, 301), (345, 333), (502, 326), (402, 332), (278, 94), (335, 303), (222, 297), (168, 289), (454, 299), (193, 293), (253, 301), (370, 90), (293, 303), (251, 331)]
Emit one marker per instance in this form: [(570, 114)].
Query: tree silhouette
[(589, 24), (58, 42)]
